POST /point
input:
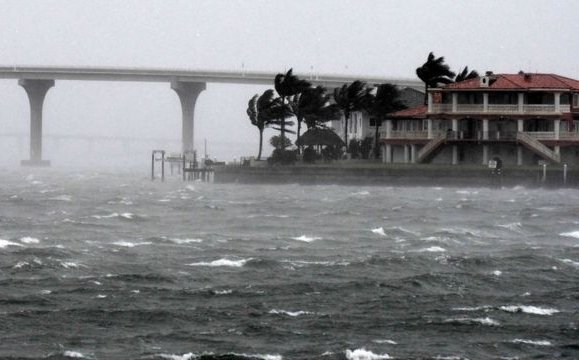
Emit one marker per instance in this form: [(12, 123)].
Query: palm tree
[(288, 85), (465, 75), (386, 100), (266, 110), (350, 98), (313, 107), (433, 72)]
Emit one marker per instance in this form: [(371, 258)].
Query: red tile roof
[(416, 113), (521, 81)]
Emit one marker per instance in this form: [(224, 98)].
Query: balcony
[(499, 109), (507, 136)]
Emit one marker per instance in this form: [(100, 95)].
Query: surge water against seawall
[(114, 266)]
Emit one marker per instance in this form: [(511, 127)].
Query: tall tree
[(266, 110), (288, 85), (349, 98), (433, 72), (313, 107), (465, 75), (386, 101)]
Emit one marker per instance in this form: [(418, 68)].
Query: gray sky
[(387, 38)]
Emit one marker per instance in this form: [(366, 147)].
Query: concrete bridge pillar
[(36, 90), (188, 93)]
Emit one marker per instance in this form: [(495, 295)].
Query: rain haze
[(387, 39), (456, 238)]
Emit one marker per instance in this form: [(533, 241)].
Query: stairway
[(537, 147), (430, 148)]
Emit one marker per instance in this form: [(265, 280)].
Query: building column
[(519, 155), (485, 129), (520, 125), (406, 154), (188, 93), (430, 103), (429, 125), (485, 102), (454, 102), (557, 102), (36, 91), (387, 158), (521, 102), (557, 128), (413, 153), (388, 129), (485, 159)]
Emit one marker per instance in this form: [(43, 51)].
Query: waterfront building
[(520, 118)]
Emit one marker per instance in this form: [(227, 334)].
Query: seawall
[(398, 175)]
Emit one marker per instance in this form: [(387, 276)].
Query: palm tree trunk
[(346, 118), (260, 144), (282, 126), (299, 133), (425, 94), (376, 150)]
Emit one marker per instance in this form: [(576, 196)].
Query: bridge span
[(188, 84)]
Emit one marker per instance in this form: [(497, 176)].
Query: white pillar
[(557, 102), (406, 154), (521, 102), (519, 155), (430, 109), (413, 153), (485, 102), (557, 126), (388, 128), (454, 102), (429, 124), (485, 159), (36, 91), (520, 125), (485, 129), (188, 93), (388, 153), (454, 155)]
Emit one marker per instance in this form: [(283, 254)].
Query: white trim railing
[(499, 109)]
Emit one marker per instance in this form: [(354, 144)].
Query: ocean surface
[(105, 265)]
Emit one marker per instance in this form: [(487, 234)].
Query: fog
[(388, 39)]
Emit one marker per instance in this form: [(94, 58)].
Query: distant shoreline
[(371, 173)]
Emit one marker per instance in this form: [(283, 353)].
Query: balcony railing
[(481, 136), (499, 108)]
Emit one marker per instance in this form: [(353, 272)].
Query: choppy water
[(103, 266)]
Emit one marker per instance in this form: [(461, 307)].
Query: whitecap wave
[(497, 273), (223, 292), (360, 193), (306, 238), (528, 309), (363, 354), (379, 231), (222, 262), (74, 354), (29, 240), (185, 241), (191, 356), (573, 234), (473, 308), (290, 313), (5, 243), (187, 356), (570, 262), (385, 341), (301, 263), (131, 244), (473, 321), (532, 342), (433, 249)]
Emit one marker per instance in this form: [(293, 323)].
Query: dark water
[(102, 266)]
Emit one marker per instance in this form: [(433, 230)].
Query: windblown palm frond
[(465, 75)]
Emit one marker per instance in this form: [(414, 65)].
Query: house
[(361, 126), (520, 118)]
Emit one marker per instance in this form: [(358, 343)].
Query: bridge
[(188, 84)]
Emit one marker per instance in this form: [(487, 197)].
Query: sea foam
[(573, 234), (29, 240), (222, 262), (473, 321), (5, 243), (379, 231), (528, 309), (290, 313), (306, 238), (532, 342), (363, 354)]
